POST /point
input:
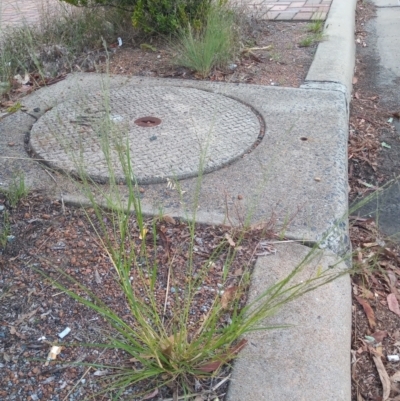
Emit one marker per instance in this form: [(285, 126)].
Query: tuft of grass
[(14, 108), (63, 37), (213, 46), (307, 41), (5, 230), (17, 190), (275, 56), (315, 26), (311, 39)]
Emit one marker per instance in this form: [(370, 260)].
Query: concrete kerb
[(335, 57), (310, 359)]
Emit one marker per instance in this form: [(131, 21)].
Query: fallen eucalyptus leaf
[(393, 304), (383, 376), (368, 311)]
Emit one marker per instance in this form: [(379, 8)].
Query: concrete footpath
[(296, 170)]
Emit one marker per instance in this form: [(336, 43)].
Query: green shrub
[(166, 16), (158, 16)]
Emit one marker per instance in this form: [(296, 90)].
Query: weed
[(213, 46), (17, 189), (57, 44), (307, 41), (14, 108), (275, 56), (315, 26), (5, 230), (319, 37)]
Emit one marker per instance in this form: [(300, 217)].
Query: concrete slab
[(298, 172), (311, 359), (335, 56), (14, 135)]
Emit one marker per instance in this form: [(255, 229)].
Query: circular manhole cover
[(167, 132)]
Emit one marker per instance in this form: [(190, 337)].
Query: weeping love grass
[(17, 189), (174, 350), (213, 46), (62, 35)]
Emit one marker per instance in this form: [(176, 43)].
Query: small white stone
[(64, 332)]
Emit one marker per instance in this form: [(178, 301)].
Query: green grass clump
[(315, 33), (307, 41), (63, 35), (5, 229), (213, 46), (17, 190), (315, 26)]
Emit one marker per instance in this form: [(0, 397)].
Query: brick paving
[(17, 12), (14, 12), (286, 10)]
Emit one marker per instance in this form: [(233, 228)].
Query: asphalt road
[(382, 60)]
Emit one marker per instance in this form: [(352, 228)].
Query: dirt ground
[(48, 235), (271, 55)]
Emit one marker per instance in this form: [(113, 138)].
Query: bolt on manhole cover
[(166, 131), (148, 121)]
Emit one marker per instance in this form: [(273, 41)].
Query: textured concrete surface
[(298, 172), (309, 360), (335, 56), (192, 125)]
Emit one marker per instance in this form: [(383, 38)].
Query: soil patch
[(275, 58), (46, 235)]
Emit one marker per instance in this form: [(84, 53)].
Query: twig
[(250, 49), (86, 372), (227, 208), (76, 384), (221, 382), (167, 292), (62, 203), (59, 293), (48, 172), (282, 242), (184, 397)]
